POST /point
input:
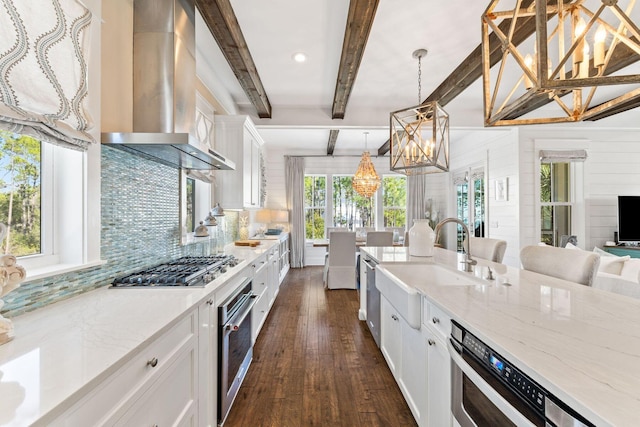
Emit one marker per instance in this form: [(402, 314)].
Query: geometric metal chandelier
[(419, 136), (366, 180), (560, 61)]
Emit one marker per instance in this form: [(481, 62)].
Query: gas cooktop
[(186, 271)]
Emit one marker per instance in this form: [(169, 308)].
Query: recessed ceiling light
[(299, 57)]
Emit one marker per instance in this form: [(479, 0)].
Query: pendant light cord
[(419, 79), (418, 54)]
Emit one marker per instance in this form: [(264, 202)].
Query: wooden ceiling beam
[(356, 34), (223, 24), (333, 137), (621, 104)]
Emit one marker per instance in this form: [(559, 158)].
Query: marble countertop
[(62, 351), (392, 254), (581, 344)]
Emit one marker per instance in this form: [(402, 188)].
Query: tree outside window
[(350, 209), (315, 191), (394, 201), (555, 202), (20, 193)]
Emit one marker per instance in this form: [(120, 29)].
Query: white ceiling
[(301, 95)]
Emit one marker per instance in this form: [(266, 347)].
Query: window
[(43, 188), (20, 193), (394, 201), (555, 202), (470, 203), (350, 209), (191, 205), (315, 190)]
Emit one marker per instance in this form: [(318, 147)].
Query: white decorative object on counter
[(421, 238), (11, 275)]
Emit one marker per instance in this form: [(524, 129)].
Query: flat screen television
[(629, 219)]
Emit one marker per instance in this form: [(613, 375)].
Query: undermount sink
[(395, 282)]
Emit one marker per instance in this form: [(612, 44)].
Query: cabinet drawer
[(436, 319), (259, 285), (171, 401), (259, 314), (112, 397)]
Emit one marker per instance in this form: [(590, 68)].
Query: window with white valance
[(48, 84), (559, 189), (43, 71)]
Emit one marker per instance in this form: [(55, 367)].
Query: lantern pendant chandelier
[(420, 135), (560, 60), (366, 180)]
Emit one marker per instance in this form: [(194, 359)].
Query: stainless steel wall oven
[(235, 349), (488, 390)]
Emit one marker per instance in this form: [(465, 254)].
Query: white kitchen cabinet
[(157, 386), (283, 256), (390, 336), (208, 362), (261, 288), (438, 365), (171, 401), (274, 274), (204, 121), (413, 376), (405, 351), (238, 139), (436, 327)]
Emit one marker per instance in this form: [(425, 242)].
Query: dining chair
[(575, 266), (340, 265), (334, 229), (486, 248), (380, 238)]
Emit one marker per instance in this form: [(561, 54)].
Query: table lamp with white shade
[(263, 216), (280, 218)]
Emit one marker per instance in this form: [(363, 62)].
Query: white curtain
[(43, 70), (416, 198), (294, 175)]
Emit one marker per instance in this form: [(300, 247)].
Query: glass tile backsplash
[(140, 227)]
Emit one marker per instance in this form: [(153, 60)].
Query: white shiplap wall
[(611, 169), (497, 151)]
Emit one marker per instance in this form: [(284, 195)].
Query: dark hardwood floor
[(316, 364)]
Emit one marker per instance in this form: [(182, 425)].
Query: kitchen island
[(581, 344), (64, 352)]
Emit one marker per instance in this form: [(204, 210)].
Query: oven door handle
[(505, 407), (234, 323)]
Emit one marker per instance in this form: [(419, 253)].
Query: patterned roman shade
[(43, 70)]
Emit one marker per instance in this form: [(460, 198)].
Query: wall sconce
[(572, 58)]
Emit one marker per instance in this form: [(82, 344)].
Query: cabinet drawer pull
[(431, 342), (153, 362), (210, 302), (394, 317), (435, 320)]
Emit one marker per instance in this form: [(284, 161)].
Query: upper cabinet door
[(239, 140), (204, 121)]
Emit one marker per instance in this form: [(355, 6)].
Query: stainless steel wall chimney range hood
[(164, 94)]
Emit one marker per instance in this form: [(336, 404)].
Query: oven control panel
[(501, 368)]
